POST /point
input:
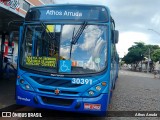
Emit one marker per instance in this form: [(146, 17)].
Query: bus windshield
[(45, 45)]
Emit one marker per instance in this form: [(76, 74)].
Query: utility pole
[(158, 33), (149, 57)]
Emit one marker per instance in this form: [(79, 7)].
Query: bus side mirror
[(12, 37), (116, 36), (13, 27)]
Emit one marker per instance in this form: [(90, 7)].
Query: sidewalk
[(133, 73), (7, 92)]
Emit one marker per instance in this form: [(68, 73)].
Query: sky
[(136, 20)]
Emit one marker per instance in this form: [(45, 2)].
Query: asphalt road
[(134, 92)]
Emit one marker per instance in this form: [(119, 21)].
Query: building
[(24, 5), (13, 10), (16, 10)]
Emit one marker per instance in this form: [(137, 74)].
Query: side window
[(112, 51), (112, 43), (112, 33)]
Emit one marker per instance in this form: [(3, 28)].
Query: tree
[(156, 55), (152, 49), (135, 54)]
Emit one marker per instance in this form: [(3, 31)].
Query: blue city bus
[(67, 58)]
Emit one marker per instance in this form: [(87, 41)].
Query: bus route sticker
[(65, 66)]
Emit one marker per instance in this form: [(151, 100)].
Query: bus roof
[(52, 5), (76, 12)]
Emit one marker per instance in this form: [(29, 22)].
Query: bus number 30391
[(81, 81)]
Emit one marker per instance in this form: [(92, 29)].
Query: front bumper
[(56, 102)]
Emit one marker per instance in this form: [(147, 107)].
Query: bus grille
[(57, 101), (62, 92), (54, 82)]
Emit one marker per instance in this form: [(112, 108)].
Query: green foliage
[(137, 52), (152, 49), (156, 55)]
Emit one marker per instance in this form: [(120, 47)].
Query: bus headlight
[(91, 93), (98, 88), (21, 81), (25, 85), (94, 91)]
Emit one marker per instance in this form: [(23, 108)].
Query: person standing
[(157, 69)]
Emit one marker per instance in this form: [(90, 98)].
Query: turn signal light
[(104, 83)]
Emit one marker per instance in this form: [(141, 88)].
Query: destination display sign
[(41, 61), (88, 13)]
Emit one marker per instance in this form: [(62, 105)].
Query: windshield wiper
[(77, 35), (45, 28)]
